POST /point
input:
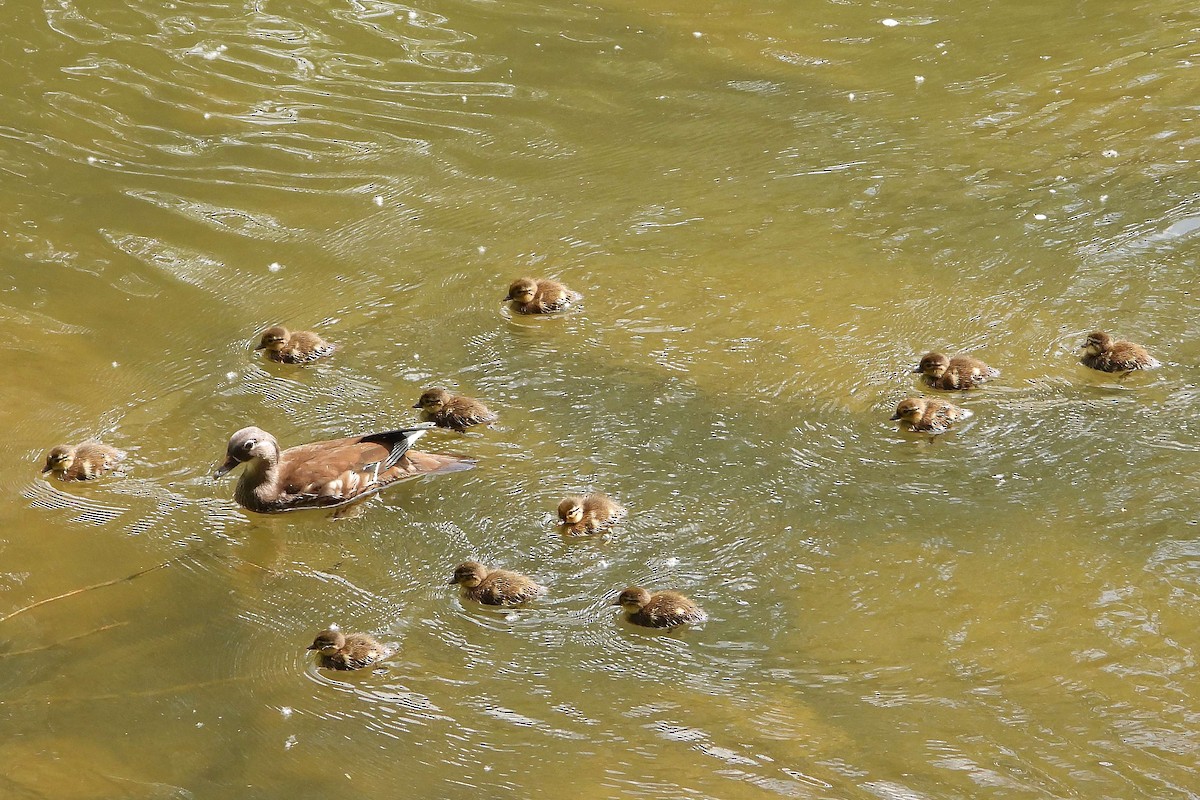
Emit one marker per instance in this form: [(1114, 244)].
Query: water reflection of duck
[(495, 587), (540, 296), (82, 462), (1103, 353), (337, 650), (329, 473), (960, 372), (589, 513), (293, 347), (659, 610), (928, 415), (453, 411)]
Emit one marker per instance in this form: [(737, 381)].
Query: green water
[(773, 209)]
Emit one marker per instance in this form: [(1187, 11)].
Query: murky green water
[(773, 210)]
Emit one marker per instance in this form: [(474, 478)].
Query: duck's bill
[(261, 347), (229, 464), (894, 417), (45, 469), (917, 368)]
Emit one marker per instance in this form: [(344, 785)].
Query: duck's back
[(502, 587)]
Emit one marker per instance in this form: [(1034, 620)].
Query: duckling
[(293, 347), (330, 473), (928, 414), (82, 462), (453, 411), (588, 514), (658, 610), (540, 296), (960, 372), (496, 587), (337, 650), (1106, 355)]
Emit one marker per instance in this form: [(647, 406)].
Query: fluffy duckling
[(337, 650), (658, 610), (495, 587), (589, 513), (293, 347), (82, 462), (534, 296), (928, 415), (960, 372), (327, 474), (453, 411), (1103, 353)]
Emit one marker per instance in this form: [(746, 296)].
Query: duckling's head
[(933, 364), (274, 338), (247, 444), (59, 459), (910, 409), (570, 510), (433, 400), (469, 573), (633, 599), (329, 641), (1097, 342), (522, 290)]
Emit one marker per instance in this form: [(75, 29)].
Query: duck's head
[(570, 510), (1096, 343), (329, 641), (933, 364), (633, 599), (59, 459), (469, 573), (274, 338), (245, 445), (910, 409), (433, 400), (522, 290)]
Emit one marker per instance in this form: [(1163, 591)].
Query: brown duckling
[(293, 347), (337, 650), (927, 414), (1103, 353), (659, 610), (495, 587), (960, 372), (453, 411), (589, 513), (540, 296), (82, 462), (329, 473)]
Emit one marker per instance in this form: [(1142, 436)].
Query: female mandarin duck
[(337, 650), (540, 296), (960, 372), (495, 587), (589, 513), (926, 414), (453, 410), (1106, 355), (293, 347), (330, 473), (82, 462), (659, 610)]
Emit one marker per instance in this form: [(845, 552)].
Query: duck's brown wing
[(341, 471)]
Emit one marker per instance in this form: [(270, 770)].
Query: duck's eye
[(248, 445)]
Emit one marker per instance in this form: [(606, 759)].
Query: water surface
[(773, 210)]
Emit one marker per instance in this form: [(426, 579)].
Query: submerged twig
[(74, 592), (101, 629)]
